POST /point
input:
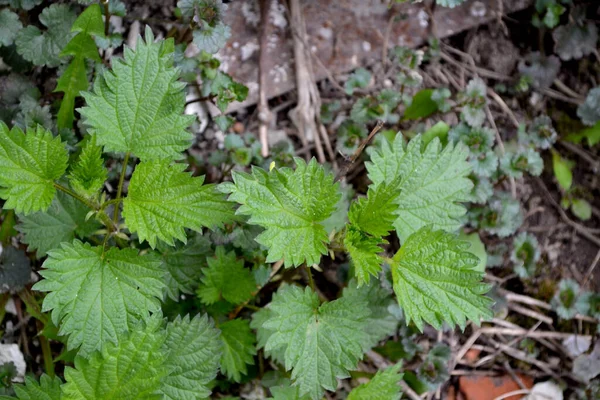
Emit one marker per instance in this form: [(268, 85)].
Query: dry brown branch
[(590, 270), (593, 161), (490, 117), (582, 230), (265, 116), (530, 313)]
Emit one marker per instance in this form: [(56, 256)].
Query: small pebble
[(238, 127)]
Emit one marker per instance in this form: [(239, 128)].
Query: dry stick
[(585, 232), (346, 167), (594, 163), (523, 356), (520, 298), (511, 180), (588, 273), (513, 393), (265, 117), (567, 90), (513, 375), (532, 335), (504, 107), (530, 313), (304, 114)]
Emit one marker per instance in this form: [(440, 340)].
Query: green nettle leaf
[(238, 348), (383, 386), (71, 82), (291, 206), (133, 369), (15, 271), (81, 47), (9, 26), (47, 389), (163, 199), (145, 79), (262, 335), (62, 222), (88, 174), (193, 348), (183, 264), (429, 183), (95, 296), (435, 280), (364, 252), (43, 48), (374, 214), (226, 278), (29, 165), (321, 342), (90, 21), (382, 323)]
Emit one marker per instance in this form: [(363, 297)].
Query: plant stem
[(32, 306), (311, 281), (120, 188), (103, 216), (46, 353), (106, 17)]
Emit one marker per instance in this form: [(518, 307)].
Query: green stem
[(47, 354), (120, 188), (311, 281), (103, 216), (33, 307), (75, 195), (108, 203), (7, 227)]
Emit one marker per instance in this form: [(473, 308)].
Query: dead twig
[(590, 270), (582, 230), (352, 159), (490, 117), (265, 116), (504, 107), (593, 161), (303, 115)]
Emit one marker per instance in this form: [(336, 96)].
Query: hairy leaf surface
[(321, 342), (88, 174), (226, 278), (428, 182), (130, 370), (381, 323), (193, 349), (383, 386), (435, 280), (163, 200), (46, 389), (291, 206), (238, 348), (95, 296), (62, 222), (138, 106), (183, 264), (29, 165), (364, 252)]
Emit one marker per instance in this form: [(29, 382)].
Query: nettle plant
[(112, 261)]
